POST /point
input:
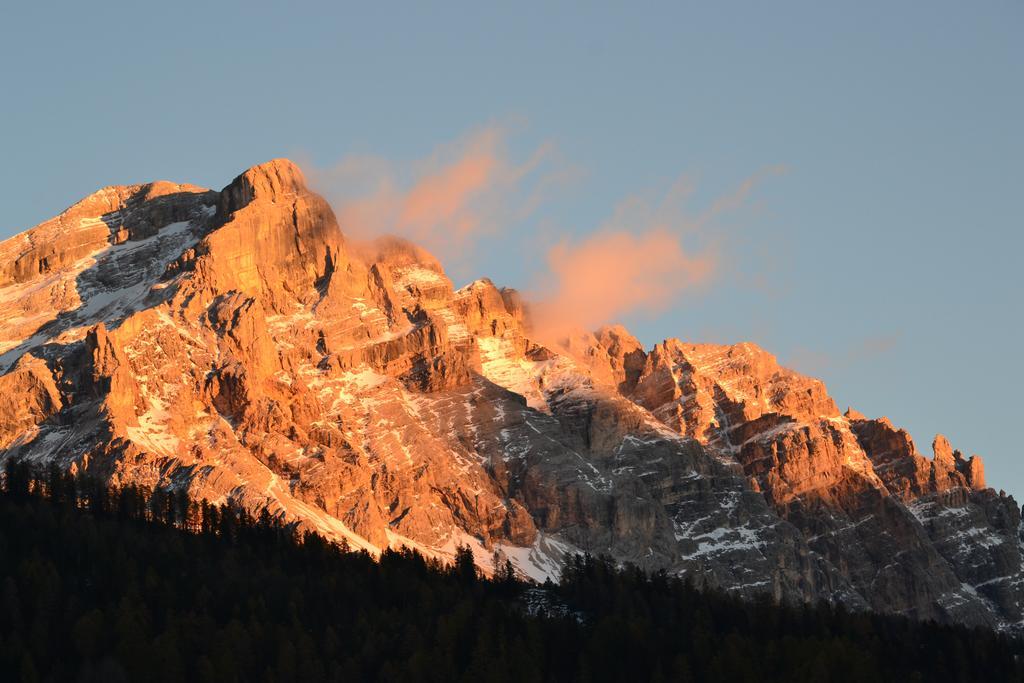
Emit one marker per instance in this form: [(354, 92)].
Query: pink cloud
[(444, 203), (443, 198), (636, 263), (613, 273)]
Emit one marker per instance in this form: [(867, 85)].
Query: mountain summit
[(235, 346)]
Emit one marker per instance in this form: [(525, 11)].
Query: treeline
[(131, 585)]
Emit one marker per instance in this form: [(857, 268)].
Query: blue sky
[(884, 259)]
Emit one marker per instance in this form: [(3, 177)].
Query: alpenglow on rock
[(236, 346)]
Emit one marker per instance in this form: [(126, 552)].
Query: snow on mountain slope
[(235, 345)]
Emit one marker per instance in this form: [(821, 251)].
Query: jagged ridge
[(236, 345)]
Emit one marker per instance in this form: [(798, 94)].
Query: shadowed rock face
[(235, 345)]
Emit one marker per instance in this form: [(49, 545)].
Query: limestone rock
[(28, 397), (235, 345)]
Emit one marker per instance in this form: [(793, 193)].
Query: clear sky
[(856, 168)]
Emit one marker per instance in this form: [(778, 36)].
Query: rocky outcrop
[(855, 488), (235, 345), (975, 530), (28, 397)]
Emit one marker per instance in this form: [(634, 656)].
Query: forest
[(127, 584)]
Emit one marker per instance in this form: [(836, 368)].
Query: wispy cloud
[(736, 198), (614, 273), (861, 351), (637, 262), (445, 203), (654, 250)]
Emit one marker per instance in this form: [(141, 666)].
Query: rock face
[(235, 345)]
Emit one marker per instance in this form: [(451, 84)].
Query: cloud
[(445, 203), (864, 350), (653, 251), (636, 263), (737, 197), (873, 346), (613, 273)]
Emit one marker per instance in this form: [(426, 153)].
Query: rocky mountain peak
[(236, 346), (943, 452), (278, 180), (853, 414), (394, 252)]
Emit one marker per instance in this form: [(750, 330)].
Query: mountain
[(236, 346)]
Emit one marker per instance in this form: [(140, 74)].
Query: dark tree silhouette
[(100, 584)]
